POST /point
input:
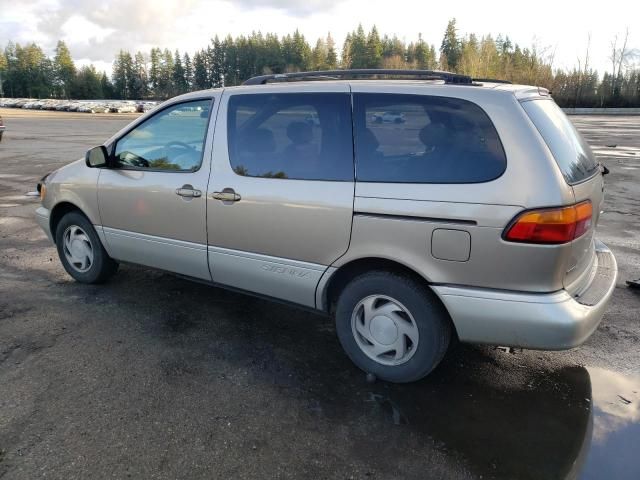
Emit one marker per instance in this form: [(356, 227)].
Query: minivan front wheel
[(80, 250), (392, 326)]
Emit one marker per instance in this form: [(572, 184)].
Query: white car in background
[(389, 117)]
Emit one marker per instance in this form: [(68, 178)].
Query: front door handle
[(188, 191), (226, 195)]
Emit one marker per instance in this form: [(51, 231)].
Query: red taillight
[(551, 225)]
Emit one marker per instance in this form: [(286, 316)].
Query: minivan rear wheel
[(80, 250), (392, 326)]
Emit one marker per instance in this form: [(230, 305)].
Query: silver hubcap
[(384, 330), (77, 248)]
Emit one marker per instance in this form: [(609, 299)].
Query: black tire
[(430, 317), (102, 266)]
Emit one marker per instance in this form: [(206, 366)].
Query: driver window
[(173, 139)]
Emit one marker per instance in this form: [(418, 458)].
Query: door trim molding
[(288, 280), (177, 256), (153, 238), (267, 258)]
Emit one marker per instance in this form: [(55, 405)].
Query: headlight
[(42, 188)]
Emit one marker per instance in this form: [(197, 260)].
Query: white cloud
[(78, 29), (617, 398)]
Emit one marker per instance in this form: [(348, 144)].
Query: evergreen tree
[(392, 47), (64, 69), (230, 69), (272, 52), (422, 54), (332, 58), (346, 52), (140, 79), (358, 49), (123, 75), (299, 54), (200, 75), (106, 87), (87, 84), (26, 71), (450, 48), (180, 85), (165, 75), (319, 55), (217, 62), (154, 71), (188, 71), (373, 49)]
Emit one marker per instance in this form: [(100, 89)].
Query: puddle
[(615, 439), (535, 426), (575, 423), (486, 413)]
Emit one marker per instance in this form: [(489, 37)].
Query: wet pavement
[(151, 376)]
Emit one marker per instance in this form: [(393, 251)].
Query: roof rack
[(447, 77), (491, 80)]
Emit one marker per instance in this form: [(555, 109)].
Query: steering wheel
[(179, 144)]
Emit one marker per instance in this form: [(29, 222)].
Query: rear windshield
[(571, 152)]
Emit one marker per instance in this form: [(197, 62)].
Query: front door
[(280, 199), (152, 202)]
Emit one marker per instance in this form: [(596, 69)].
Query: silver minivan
[(471, 215)]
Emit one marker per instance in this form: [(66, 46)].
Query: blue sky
[(96, 29)]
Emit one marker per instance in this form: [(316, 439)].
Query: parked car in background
[(83, 106), (475, 220), (389, 117)]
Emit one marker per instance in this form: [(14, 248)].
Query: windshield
[(572, 154)]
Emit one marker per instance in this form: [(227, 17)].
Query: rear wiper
[(604, 170)]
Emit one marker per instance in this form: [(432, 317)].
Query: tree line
[(26, 71)]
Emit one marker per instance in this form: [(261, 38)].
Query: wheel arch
[(345, 273), (59, 211)]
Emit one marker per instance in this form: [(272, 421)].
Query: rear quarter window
[(570, 151), (424, 139)]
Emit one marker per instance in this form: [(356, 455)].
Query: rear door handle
[(226, 195), (188, 191)]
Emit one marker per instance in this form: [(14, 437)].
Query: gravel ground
[(151, 376)]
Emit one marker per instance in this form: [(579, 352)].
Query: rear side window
[(571, 152), (424, 139), (305, 136)]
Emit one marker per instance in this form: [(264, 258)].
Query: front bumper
[(42, 218), (553, 321)]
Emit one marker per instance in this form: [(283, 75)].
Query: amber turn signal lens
[(551, 225)]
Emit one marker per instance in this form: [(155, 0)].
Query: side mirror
[(97, 157)]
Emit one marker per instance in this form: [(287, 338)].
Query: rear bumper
[(42, 218), (553, 321)]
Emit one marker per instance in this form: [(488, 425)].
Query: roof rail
[(491, 80), (447, 77)]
